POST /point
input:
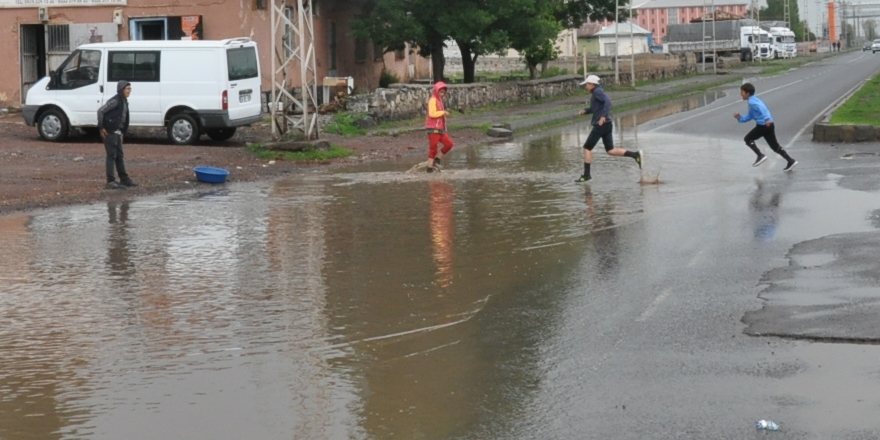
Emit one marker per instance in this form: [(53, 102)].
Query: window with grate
[(59, 38), (288, 40)]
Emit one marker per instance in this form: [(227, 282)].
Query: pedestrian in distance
[(113, 119), (602, 128), (764, 127), (435, 125)]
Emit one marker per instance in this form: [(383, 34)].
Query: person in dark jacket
[(600, 108), (113, 118)]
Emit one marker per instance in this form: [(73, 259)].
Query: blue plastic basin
[(211, 174)]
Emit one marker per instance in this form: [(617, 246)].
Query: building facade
[(657, 14), (44, 32)]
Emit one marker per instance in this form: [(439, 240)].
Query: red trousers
[(438, 138)]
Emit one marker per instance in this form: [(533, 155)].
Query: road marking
[(719, 108), (653, 307)]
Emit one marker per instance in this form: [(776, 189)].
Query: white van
[(189, 87)]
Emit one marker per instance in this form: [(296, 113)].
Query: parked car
[(875, 46), (189, 87)]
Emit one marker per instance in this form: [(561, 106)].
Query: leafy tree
[(870, 27), (775, 10), (533, 30), (478, 27)]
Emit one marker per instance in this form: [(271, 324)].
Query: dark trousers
[(769, 134), (113, 147), (605, 132)]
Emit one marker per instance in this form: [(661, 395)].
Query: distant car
[(875, 46), (867, 46)]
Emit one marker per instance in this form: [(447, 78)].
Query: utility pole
[(616, 42)]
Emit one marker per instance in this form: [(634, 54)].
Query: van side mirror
[(53, 79)]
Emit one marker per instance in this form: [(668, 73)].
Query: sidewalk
[(526, 115)]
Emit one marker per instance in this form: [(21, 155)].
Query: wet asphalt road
[(495, 300)]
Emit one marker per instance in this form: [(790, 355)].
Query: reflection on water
[(765, 211), (348, 305)]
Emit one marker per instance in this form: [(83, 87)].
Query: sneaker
[(790, 165), (114, 185), (640, 159), (436, 161), (583, 179), (760, 160), (128, 183)]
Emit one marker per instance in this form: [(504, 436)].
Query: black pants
[(113, 146), (604, 132), (766, 132)]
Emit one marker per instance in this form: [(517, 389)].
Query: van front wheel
[(183, 129), (53, 125), (220, 134)]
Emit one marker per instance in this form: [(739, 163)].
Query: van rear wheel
[(53, 125), (220, 134), (183, 129)]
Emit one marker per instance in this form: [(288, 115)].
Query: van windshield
[(242, 63)]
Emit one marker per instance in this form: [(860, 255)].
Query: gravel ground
[(38, 174)]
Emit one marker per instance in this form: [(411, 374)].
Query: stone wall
[(404, 101)]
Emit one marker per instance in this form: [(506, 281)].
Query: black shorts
[(604, 132)]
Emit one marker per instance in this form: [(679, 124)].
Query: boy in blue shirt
[(765, 127)]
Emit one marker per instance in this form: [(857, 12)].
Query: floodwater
[(362, 303), (358, 303)]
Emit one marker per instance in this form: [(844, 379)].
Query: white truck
[(189, 87), (784, 45), (742, 38)]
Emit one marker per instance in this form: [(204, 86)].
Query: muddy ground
[(37, 174)]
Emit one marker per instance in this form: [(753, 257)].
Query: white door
[(79, 86), (243, 72)]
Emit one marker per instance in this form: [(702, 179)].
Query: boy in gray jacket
[(113, 120)]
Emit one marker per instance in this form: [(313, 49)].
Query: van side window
[(80, 69), (134, 66), (242, 63)]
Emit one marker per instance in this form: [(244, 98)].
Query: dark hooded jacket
[(600, 105), (113, 115)]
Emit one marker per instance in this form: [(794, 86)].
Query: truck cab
[(784, 45), (758, 40)]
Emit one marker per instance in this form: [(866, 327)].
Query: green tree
[(775, 10), (478, 27), (870, 27)]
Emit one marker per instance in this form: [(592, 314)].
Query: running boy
[(435, 124), (764, 128), (600, 108)]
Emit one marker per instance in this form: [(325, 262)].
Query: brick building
[(657, 14), (43, 32)]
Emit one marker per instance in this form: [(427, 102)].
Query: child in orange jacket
[(435, 125)]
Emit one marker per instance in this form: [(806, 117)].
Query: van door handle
[(102, 90)]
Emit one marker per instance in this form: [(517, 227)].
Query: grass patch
[(335, 152), (863, 107), (345, 124)]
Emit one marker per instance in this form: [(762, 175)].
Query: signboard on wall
[(59, 3)]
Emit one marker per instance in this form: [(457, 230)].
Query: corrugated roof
[(623, 29), (665, 4)]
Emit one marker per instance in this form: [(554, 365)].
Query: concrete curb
[(825, 132)]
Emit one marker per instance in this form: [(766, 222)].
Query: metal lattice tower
[(709, 34), (786, 13), (297, 37)]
